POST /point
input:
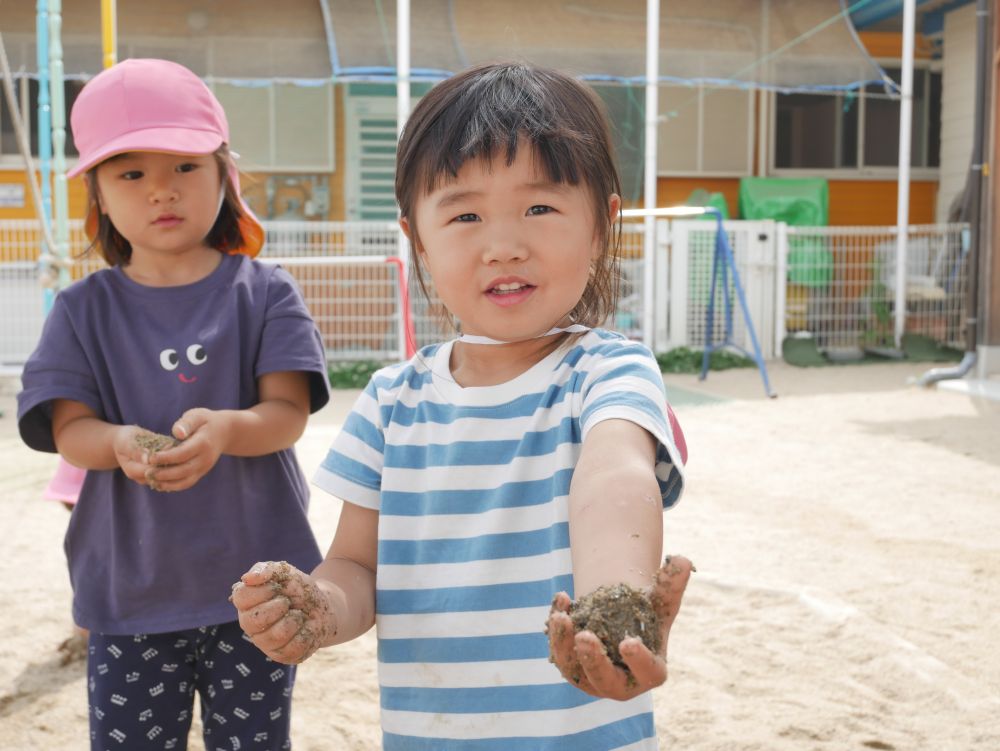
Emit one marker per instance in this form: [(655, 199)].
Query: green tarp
[(799, 202)]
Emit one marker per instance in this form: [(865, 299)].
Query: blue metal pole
[(723, 263), (44, 119)]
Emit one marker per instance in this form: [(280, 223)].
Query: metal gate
[(691, 248)]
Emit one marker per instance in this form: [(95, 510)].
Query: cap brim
[(162, 140)]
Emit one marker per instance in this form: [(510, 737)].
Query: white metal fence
[(756, 253), (356, 302), (842, 280), (22, 305), (834, 283), (838, 284)]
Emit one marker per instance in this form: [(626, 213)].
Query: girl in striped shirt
[(498, 474)]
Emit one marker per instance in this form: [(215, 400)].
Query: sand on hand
[(153, 442)]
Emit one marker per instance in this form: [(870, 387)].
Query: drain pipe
[(974, 193), (934, 375)]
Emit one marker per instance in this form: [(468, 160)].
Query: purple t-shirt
[(147, 562)]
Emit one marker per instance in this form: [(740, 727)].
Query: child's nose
[(505, 243), (162, 189)]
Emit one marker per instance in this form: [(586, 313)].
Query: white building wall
[(957, 105)]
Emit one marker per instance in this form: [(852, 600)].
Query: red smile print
[(185, 379)]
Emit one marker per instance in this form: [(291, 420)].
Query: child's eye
[(187, 167), (540, 209), (466, 218), (132, 174)]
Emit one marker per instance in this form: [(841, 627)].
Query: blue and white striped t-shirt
[(471, 486)]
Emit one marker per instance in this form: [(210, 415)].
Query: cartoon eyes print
[(196, 354), (170, 360)]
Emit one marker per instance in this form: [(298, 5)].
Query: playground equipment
[(723, 268)]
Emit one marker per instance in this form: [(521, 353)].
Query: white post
[(649, 173), (661, 285), (402, 113), (903, 190), (781, 292), (679, 253)]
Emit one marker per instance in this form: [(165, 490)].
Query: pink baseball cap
[(153, 105)]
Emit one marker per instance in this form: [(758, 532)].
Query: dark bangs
[(487, 111)]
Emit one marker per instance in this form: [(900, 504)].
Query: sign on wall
[(11, 195)]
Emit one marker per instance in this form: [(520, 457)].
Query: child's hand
[(582, 660), (203, 434), (283, 611), (131, 457)]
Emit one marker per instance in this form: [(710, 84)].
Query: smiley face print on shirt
[(194, 354)]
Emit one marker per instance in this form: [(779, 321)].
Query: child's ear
[(614, 206), (404, 224), (92, 182), (614, 214)]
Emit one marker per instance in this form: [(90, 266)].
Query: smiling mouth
[(509, 289), (185, 379)]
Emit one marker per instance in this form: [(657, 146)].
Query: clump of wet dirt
[(153, 442), (616, 612)]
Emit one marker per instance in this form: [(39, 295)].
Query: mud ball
[(153, 442), (616, 612)]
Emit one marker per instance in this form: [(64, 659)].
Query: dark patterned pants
[(141, 691)]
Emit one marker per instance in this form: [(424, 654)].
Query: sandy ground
[(847, 536)]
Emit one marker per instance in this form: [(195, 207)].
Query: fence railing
[(834, 282), (842, 281)]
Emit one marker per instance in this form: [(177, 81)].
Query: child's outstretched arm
[(616, 536), (88, 442), (290, 614), (273, 424)]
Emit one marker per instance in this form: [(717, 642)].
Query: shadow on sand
[(37, 679)]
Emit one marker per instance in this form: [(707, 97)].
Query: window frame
[(273, 166), (861, 172), (13, 160), (699, 171), (21, 94)]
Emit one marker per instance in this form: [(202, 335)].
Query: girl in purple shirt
[(183, 335)]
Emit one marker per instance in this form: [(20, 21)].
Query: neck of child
[(474, 365), (172, 270)]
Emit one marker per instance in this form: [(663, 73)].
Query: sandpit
[(846, 536)]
